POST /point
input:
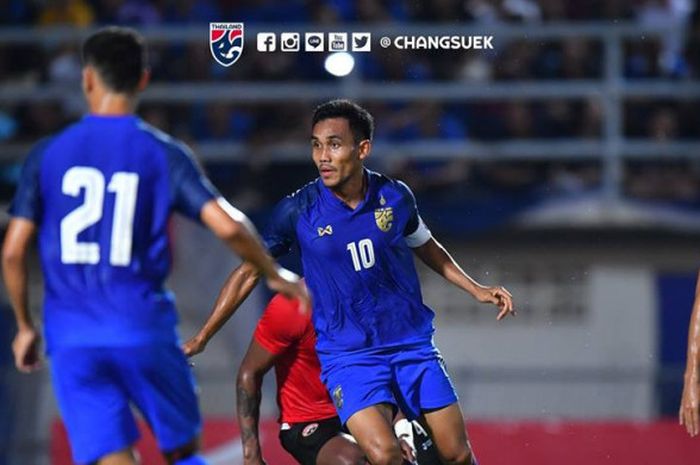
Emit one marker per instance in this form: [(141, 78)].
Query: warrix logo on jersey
[(326, 230), (226, 42)]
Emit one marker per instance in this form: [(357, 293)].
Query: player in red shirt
[(310, 428)]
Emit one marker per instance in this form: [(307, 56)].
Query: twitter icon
[(361, 42)]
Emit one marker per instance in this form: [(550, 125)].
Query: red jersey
[(285, 332)]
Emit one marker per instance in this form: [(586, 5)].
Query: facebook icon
[(266, 42)]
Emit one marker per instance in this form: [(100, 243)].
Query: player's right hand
[(25, 348), (194, 346), (290, 285), (254, 461), (407, 451), (404, 433), (689, 414)]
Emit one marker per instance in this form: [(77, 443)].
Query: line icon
[(313, 42)]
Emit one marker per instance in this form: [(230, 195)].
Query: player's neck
[(111, 104), (352, 191)]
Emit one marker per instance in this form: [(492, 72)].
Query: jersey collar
[(330, 197), (124, 117)]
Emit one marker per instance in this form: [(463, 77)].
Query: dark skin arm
[(237, 288), (688, 414), (433, 254), (25, 346), (233, 227), (256, 363)]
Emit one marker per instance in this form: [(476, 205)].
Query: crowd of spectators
[(149, 12), (674, 56)]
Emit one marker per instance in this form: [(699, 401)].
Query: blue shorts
[(94, 387), (411, 377)]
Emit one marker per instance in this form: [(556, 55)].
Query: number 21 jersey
[(101, 193)]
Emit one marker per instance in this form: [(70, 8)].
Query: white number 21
[(125, 186)]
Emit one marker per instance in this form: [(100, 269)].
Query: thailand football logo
[(384, 216), (338, 397), (226, 42)]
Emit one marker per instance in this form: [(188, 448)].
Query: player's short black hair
[(119, 54), (360, 120)]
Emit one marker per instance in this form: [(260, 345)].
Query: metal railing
[(611, 90)]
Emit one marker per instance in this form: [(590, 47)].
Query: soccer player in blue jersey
[(357, 231), (99, 195)]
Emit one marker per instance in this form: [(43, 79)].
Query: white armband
[(420, 236)]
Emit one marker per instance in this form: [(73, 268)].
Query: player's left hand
[(25, 348), (404, 433), (689, 414), (407, 451), (292, 286), (499, 296), (194, 346), (254, 461)]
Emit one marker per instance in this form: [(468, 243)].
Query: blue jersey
[(101, 193), (357, 263)]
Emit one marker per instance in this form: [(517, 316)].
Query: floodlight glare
[(339, 64)]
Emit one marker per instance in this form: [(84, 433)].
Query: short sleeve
[(27, 200), (189, 187), (416, 232), (281, 325), (280, 232)]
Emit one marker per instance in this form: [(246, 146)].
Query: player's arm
[(234, 228), (433, 254), (237, 288), (194, 196), (15, 250), (26, 209), (280, 327), (256, 363), (688, 414), (279, 236)]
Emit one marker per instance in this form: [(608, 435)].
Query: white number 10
[(124, 186), (365, 258)]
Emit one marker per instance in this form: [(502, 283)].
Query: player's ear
[(364, 148), (88, 79), (145, 79)]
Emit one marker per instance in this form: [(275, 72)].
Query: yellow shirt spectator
[(70, 12)]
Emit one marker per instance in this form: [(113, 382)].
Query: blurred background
[(563, 164)]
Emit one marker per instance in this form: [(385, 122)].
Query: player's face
[(335, 152)]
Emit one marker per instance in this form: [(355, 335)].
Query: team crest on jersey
[(338, 397), (309, 430), (226, 42), (384, 217)]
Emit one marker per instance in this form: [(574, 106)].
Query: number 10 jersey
[(358, 264)]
